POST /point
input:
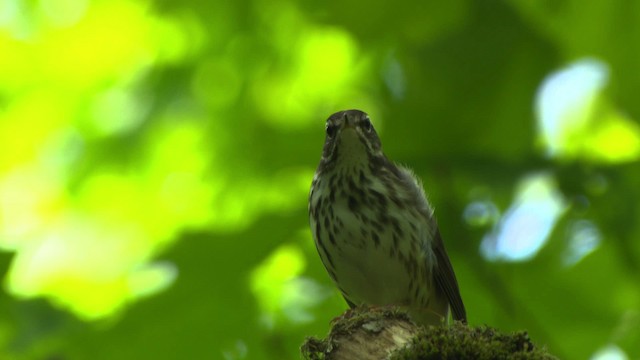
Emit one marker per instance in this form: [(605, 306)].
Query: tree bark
[(384, 333)]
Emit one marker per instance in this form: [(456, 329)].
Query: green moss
[(459, 341)]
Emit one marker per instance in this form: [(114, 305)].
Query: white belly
[(367, 272)]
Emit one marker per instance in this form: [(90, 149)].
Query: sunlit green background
[(155, 159)]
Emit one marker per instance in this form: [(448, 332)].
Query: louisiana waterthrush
[(374, 228)]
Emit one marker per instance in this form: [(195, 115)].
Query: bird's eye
[(366, 124), (331, 130)]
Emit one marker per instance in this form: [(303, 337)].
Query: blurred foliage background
[(155, 160)]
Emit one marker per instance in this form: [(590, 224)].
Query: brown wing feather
[(445, 280)]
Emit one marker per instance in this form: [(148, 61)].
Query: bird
[(375, 230)]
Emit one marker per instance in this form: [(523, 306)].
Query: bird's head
[(350, 139)]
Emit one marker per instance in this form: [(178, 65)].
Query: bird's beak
[(348, 122)]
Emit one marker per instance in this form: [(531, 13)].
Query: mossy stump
[(384, 333)]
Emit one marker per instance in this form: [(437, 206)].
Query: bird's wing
[(445, 279), (349, 302)]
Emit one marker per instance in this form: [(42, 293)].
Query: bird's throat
[(352, 150)]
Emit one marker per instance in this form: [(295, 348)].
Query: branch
[(377, 333)]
